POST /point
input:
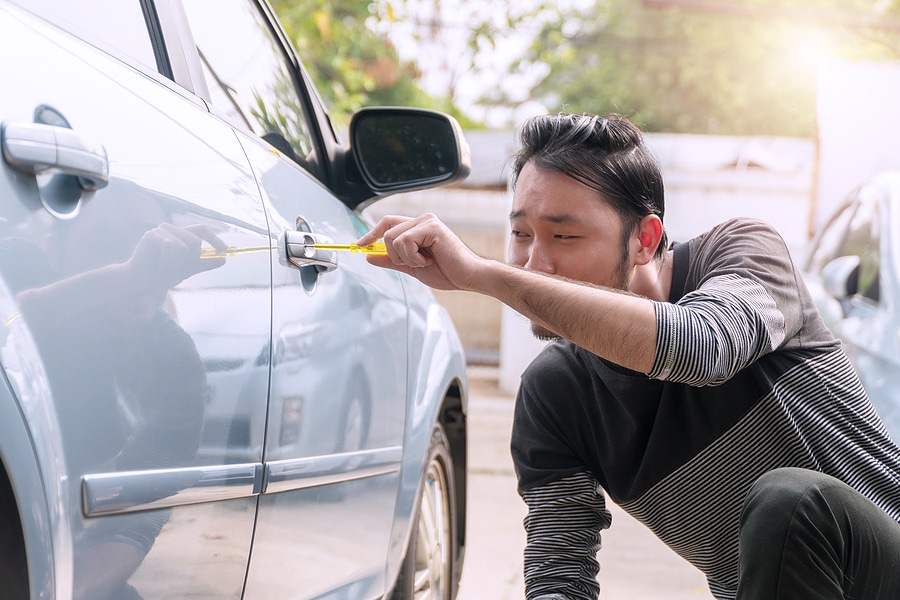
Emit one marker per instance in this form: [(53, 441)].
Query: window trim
[(319, 160), (157, 40), (181, 49), (99, 43)]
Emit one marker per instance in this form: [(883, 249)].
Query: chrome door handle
[(36, 147), (300, 251)]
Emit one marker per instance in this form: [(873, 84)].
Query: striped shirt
[(746, 379)]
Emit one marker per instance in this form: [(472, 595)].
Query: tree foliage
[(687, 66), (702, 66), (350, 63)]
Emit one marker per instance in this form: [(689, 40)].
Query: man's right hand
[(425, 248)]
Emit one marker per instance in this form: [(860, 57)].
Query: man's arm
[(563, 527), (615, 325), (612, 324)]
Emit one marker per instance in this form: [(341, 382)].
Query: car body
[(853, 272), (195, 401)]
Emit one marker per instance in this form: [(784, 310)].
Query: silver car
[(199, 400), (853, 272)]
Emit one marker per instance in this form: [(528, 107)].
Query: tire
[(427, 569), (13, 565)]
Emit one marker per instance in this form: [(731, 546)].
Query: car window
[(854, 231), (863, 241), (116, 26), (251, 84), (830, 243)]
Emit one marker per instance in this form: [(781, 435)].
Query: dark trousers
[(808, 535)]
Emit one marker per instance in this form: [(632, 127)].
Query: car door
[(851, 262), (338, 378), (152, 335)]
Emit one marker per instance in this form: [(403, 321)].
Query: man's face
[(562, 227)]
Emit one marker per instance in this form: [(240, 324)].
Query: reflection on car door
[(144, 342), (338, 378), (336, 406)]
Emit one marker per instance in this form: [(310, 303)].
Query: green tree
[(349, 62), (701, 66)]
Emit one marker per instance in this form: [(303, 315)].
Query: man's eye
[(518, 234)]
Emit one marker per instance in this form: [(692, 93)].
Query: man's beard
[(542, 333), (620, 283)]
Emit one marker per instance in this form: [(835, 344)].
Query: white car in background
[(196, 402), (853, 272)]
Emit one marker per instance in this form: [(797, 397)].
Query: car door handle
[(300, 251), (36, 147)]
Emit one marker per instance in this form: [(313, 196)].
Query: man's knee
[(793, 514), (780, 527), (787, 485), (781, 496)]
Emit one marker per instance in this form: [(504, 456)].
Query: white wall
[(859, 128)]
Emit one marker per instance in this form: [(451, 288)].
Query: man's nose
[(539, 259)]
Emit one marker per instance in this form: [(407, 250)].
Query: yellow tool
[(376, 248)]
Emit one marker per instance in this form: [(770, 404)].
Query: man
[(695, 384)]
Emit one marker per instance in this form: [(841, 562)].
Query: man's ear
[(647, 236)]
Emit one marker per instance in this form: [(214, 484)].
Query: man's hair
[(606, 154)]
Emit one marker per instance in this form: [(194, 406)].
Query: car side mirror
[(402, 149), (840, 277)]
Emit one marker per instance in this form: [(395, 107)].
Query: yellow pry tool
[(377, 248)]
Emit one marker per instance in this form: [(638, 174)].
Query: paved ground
[(634, 564)]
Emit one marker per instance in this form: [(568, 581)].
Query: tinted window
[(250, 81), (117, 26), (863, 241), (855, 231), (831, 241)]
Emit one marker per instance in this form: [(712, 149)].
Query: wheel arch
[(453, 419), (32, 458), (24, 507), (437, 395)]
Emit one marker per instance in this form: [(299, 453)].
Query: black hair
[(606, 154)]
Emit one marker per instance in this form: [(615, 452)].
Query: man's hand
[(426, 249)]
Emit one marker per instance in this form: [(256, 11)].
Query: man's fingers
[(422, 247), (381, 228), (406, 239), (386, 262), (411, 246)]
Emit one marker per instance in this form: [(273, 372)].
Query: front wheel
[(427, 569)]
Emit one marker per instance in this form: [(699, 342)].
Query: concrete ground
[(635, 565)]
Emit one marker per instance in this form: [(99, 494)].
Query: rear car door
[(146, 345), (337, 398)]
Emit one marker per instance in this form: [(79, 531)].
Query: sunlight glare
[(808, 48)]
